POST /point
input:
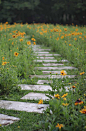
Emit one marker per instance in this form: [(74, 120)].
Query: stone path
[(51, 69)]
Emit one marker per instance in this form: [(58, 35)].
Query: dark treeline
[(43, 11)]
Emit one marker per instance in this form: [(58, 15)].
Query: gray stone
[(44, 50), (55, 68), (40, 52), (64, 61), (48, 55), (52, 64), (45, 60), (23, 106), (6, 120), (43, 82), (52, 72), (35, 96), (35, 87), (52, 76), (45, 57)]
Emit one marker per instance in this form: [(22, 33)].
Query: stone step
[(52, 76), (44, 81), (52, 64), (43, 50), (55, 68), (35, 96), (45, 57), (45, 60), (40, 52), (35, 87), (48, 54), (6, 120), (23, 106), (52, 72)]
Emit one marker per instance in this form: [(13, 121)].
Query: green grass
[(22, 66)]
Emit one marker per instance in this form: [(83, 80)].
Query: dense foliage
[(47, 11)]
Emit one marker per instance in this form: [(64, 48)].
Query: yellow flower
[(65, 95), (57, 96), (64, 99), (73, 87), (59, 125), (78, 102), (34, 43), (40, 102), (21, 40), (16, 54), (2, 58), (63, 72), (4, 63), (75, 38), (28, 43), (13, 36), (57, 38), (33, 39), (82, 73), (62, 37), (83, 111), (18, 126), (65, 104), (69, 44), (65, 29), (76, 29)]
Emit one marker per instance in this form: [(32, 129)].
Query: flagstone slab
[(52, 72), (43, 82), (35, 87), (35, 96), (43, 50), (64, 61), (23, 106), (52, 64), (45, 60), (52, 76), (6, 120), (45, 57), (48, 55), (40, 52), (55, 68)]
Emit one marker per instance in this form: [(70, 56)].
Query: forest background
[(43, 11)]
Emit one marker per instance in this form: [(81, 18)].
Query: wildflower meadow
[(67, 110)]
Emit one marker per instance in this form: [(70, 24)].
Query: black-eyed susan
[(65, 104), (78, 102), (21, 40), (82, 73), (4, 63), (63, 72), (40, 101), (2, 58), (75, 38), (28, 42), (57, 96), (13, 36), (69, 44), (73, 87), (16, 54), (65, 29), (34, 43), (59, 125), (64, 95), (33, 39), (83, 111)]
